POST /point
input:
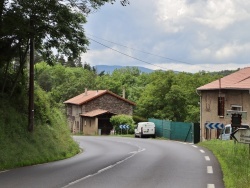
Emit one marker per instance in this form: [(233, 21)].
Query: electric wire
[(126, 54), (143, 51)]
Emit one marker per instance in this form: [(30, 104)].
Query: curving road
[(114, 162)]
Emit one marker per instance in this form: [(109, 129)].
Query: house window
[(221, 105), (236, 107), (69, 110)]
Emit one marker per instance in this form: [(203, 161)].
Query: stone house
[(89, 113), (222, 97)]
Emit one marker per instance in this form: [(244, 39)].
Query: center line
[(210, 186), (209, 169), (207, 158), (202, 151)]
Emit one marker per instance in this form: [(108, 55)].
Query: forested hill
[(110, 68), (159, 94)]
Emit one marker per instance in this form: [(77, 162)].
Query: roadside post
[(121, 126), (127, 127), (242, 135), (235, 122)]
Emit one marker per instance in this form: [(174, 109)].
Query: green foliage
[(63, 82), (172, 96), (138, 119), (55, 26), (234, 161), (50, 140), (122, 120)]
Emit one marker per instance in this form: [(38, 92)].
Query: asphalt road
[(113, 162)]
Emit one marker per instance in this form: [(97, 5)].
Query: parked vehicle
[(145, 129), (227, 131)]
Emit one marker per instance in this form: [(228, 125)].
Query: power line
[(142, 51), (125, 54)]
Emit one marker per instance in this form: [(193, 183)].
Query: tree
[(54, 24), (176, 104)]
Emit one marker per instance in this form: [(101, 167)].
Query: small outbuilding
[(89, 113)]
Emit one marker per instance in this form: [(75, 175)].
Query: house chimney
[(86, 92)]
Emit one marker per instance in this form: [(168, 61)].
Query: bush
[(118, 120)]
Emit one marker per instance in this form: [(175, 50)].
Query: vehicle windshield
[(227, 130)]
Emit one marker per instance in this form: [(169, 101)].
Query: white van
[(145, 129), (227, 131)]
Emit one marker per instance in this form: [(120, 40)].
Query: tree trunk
[(22, 59), (5, 76)]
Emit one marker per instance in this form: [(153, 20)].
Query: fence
[(186, 132)]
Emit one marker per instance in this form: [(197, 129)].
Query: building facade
[(222, 98), (89, 113)]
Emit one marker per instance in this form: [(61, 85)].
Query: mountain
[(110, 68)]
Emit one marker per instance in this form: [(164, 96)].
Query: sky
[(179, 35)]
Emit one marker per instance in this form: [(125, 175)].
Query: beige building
[(221, 98), (89, 113)]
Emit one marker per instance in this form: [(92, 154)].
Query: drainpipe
[(201, 133)]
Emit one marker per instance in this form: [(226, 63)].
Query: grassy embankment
[(235, 161), (50, 140)]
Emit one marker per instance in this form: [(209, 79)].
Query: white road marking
[(132, 152), (106, 168), (202, 151), (183, 143), (4, 171), (207, 158), (209, 169), (210, 186), (194, 146)]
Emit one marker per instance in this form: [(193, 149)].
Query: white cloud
[(211, 13), (198, 67), (232, 51), (207, 34)]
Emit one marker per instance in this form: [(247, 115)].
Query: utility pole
[(31, 78)]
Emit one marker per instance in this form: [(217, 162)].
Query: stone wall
[(110, 103)]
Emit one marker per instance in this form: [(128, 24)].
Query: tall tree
[(56, 24)]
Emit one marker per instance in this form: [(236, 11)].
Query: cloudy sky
[(179, 35)]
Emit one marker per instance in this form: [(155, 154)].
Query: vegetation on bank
[(234, 159), (50, 140)]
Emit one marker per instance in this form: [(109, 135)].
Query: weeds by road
[(234, 159)]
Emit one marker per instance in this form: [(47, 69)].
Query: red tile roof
[(92, 94), (239, 80), (95, 113)]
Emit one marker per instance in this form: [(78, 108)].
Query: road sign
[(236, 120), (214, 125), (230, 112), (241, 135), (124, 126)]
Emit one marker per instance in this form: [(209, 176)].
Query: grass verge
[(234, 159), (48, 142)]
